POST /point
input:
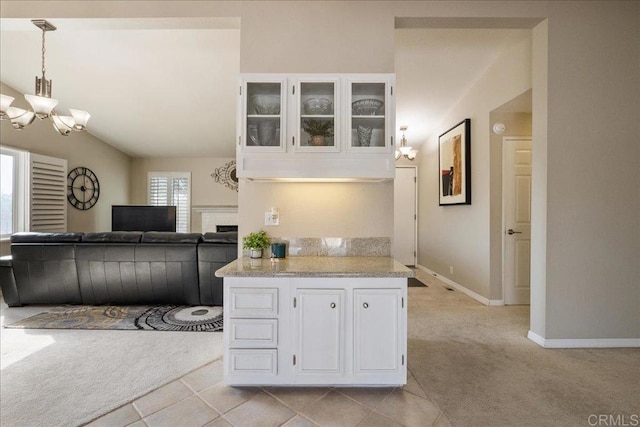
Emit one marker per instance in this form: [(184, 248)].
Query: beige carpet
[(473, 361), (69, 377), (477, 365)]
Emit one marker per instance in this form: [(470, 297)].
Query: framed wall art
[(454, 152), (226, 175)]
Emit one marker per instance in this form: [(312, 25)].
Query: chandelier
[(404, 149), (42, 105)]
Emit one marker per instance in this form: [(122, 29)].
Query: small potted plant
[(256, 241), (319, 130)]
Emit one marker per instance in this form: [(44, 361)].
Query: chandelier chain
[(43, 52)]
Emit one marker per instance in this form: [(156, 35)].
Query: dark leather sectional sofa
[(121, 268)]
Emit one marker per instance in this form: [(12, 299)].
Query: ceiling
[(168, 87)]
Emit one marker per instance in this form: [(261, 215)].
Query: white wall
[(319, 209), (79, 149), (317, 37), (205, 191), (593, 171), (586, 104), (459, 236)]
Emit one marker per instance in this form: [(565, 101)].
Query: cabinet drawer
[(253, 302), (253, 362), (253, 333)]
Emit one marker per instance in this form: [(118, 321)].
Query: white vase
[(256, 253)]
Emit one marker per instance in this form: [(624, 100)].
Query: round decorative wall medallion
[(83, 188), (227, 175)]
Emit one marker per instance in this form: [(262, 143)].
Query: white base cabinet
[(315, 331)]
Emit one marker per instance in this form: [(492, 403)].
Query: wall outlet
[(271, 218), (451, 269)]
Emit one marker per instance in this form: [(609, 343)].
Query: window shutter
[(158, 190), (48, 193), (180, 193), (172, 189)]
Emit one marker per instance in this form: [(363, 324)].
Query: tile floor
[(200, 399)]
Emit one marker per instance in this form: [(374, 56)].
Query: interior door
[(320, 328), (517, 219), (405, 215)]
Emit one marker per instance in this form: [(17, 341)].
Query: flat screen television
[(143, 218)]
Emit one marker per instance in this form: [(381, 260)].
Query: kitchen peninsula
[(315, 320)]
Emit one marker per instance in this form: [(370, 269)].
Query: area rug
[(152, 318), (414, 283)]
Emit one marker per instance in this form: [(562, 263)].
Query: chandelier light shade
[(42, 104), (404, 149)]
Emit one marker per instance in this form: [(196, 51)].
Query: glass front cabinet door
[(318, 112), (369, 115), (264, 116)]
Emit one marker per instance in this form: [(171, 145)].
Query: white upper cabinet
[(263, 115), (316, 126), (317, 108), (369, 112)]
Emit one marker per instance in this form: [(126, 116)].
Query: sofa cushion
[(138, 274), (33, 237), (45, 273), (230, 237), (113, 237), (170, 237)]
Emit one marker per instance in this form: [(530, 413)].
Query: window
[(33, 191), (13, 191), (172, 189)]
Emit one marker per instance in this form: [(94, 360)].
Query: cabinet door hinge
[(293, 90), (293, 141), (294, 305), (240, 90), (391, 90), (392, 141), (415, 179), (415, 217), (294, 360), (239, 140), (403, 298), (402, 360)]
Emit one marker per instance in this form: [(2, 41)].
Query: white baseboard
[(459, 287), (583, 343)]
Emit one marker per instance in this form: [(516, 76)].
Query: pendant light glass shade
[(20, 118), (80, 118), (5, 103), (63, 124), (41, 105)]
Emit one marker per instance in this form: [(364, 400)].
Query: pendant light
[(404, 149), (42, 105)]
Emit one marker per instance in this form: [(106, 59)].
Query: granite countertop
[(316, 266)]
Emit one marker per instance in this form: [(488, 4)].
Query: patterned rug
[(146, 317)]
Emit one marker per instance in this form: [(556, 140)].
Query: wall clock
[(83, 188)]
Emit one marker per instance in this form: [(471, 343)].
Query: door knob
[(365, 305), (512, 231), (333, 305)]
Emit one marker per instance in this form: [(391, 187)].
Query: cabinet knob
[(333, 305), (365, 305)]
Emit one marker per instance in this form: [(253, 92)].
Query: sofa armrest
[(8, 282)]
